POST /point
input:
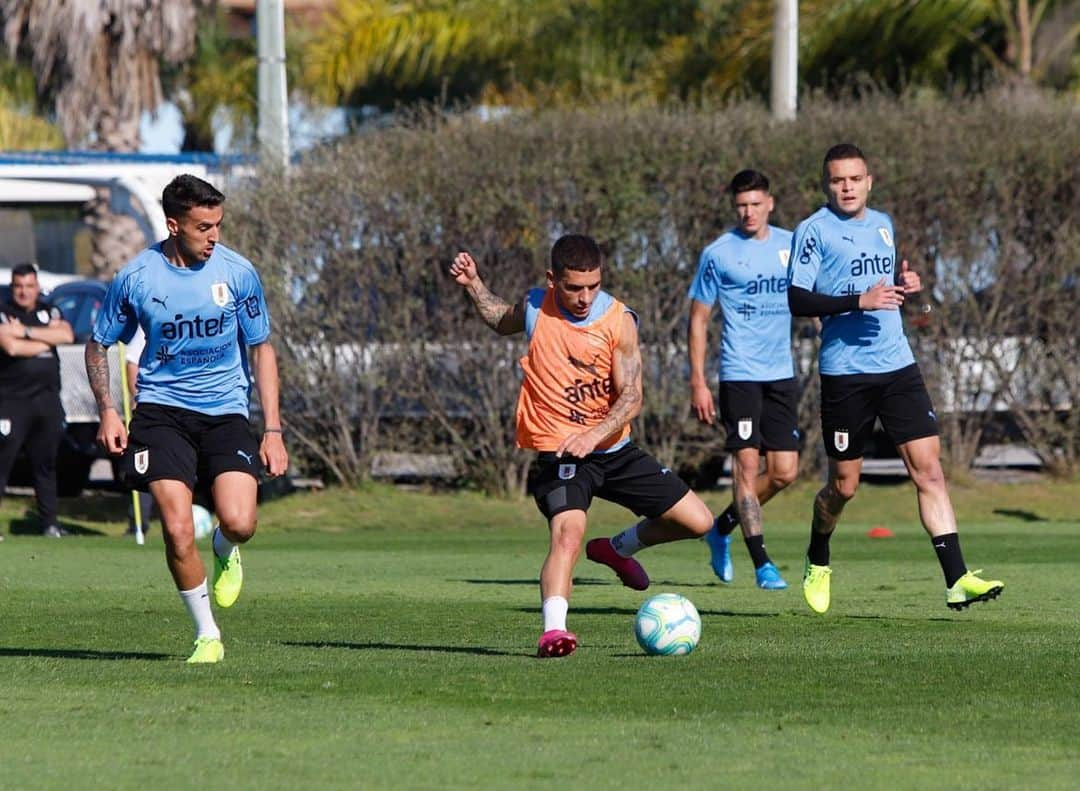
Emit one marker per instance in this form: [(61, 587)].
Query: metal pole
[(785, 60), (273, 132)]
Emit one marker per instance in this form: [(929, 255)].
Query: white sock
[(554, 609), (197, 602), (222, 545), (627, 542)]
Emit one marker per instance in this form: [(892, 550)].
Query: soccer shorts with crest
[(761, 415), (851, 403), (628, 476), (171, 443)]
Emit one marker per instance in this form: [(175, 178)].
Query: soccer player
[(843, 268), (745, 271), (202, 307), (582, 387)]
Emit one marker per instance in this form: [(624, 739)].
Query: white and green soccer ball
[(204, 522), (667, 624)]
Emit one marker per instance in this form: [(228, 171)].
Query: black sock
[(756, 546), (950, 557), (727, 521), (818, 551)]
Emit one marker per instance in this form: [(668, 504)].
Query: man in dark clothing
[(30, 409)]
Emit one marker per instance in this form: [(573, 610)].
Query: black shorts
[(171, 443), (761, 415), (850, 404), (629, 476)]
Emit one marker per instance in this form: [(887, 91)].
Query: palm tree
[(388, 51), (99, 62)]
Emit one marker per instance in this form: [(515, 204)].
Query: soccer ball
[(204, 522), (667, 624)]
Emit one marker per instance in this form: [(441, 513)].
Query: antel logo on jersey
[(808, 248), (196, 327), (767, 285), (875, 265)]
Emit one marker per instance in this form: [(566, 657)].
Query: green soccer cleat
[(228, 578), (208, 650), (970, 588), (815, 586)]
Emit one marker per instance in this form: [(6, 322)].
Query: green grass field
[(385, 640)]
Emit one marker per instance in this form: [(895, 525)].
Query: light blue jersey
[(749, 278), (198, 323), (836, 255)]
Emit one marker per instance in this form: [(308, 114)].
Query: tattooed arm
[(504, 318), (626, 382), (112, 435)]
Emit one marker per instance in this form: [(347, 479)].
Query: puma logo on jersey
[(160, 301), (848, 239), (590, 367)]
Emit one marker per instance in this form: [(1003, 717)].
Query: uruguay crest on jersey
[(220, 293)]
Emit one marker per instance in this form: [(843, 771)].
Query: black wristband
[(272, 431)]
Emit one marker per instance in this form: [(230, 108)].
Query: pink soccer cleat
[(556, 643), (629, 571)]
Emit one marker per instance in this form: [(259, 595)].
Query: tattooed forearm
[(827, 507), (492, 309), (628, 403), (97, 371)]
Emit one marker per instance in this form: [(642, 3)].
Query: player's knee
[(783, 478), (699, 519), (844, 488), (238, 527), (567, 535), (929, 478)]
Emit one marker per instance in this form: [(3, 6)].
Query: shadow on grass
[(82, 653), (633, 611), (1022, 515), (893, 619), (445, 649), (30, 525), (533, 581)]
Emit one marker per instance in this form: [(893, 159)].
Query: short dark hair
[(23, 269), (748, 181), (577, 252), (185, 192), (842, 151)]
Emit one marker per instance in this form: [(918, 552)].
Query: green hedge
[(380, 351)]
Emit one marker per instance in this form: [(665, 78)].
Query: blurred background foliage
[(382, 353), (376, 55)]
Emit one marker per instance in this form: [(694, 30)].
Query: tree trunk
[(116, 237)]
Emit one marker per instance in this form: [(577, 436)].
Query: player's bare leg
[(753, 487), (922, 457), (173, 500), (688, 518), (962, 588), (567, 531), (841, 486), (235, 495)]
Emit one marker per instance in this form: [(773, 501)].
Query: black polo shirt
[(26, 377)]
